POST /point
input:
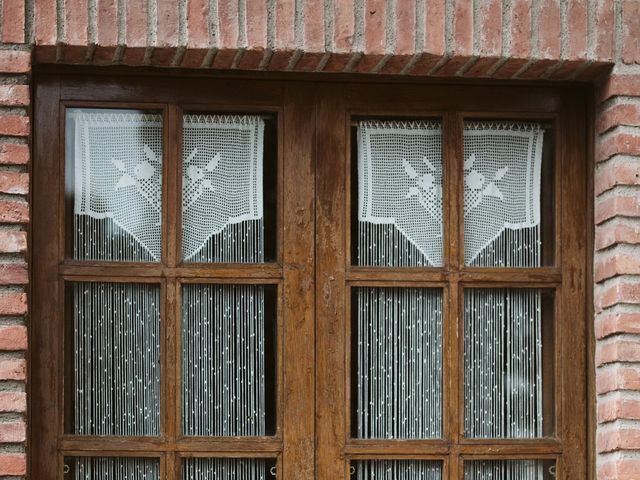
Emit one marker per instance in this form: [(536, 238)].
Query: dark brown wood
[(313, 269)]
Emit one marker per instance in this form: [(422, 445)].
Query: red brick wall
[(510, 39)]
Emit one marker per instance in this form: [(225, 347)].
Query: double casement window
[(256, 279)]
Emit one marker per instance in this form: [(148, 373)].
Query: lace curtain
[(117, 186), (222, 197)]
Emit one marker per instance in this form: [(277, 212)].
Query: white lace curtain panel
[(118, 186)]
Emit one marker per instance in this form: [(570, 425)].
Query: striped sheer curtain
[(116, 332), (399, 363), (509, 470), (396, 470), (110, 468), (228, 469)]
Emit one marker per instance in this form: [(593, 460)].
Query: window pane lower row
[(228, 359)]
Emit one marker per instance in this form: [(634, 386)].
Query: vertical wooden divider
[(332, 129), (299, 291), (453, 158)]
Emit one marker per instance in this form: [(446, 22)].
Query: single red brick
[(337, 62), (367, 63), (104, 55), (13, 402), (618, 468), (14, 211), (510, 68), (375, 17), (223, 59), (615, 265), (617, 231), (577, 29), (452, 66), (617, 439), (285, 26), (14, 154), (617, 377), (623, 206), (313, 27), (520, 30), (13, 17), (14, 125), (14, 95), (549, 29), (134, 55), (620, 85), (396, 64), (405, 29), (617, 144), (616, 172), (462, 28), (280, 60), (13, 242), (13, 303), (593, 71), (621, 114), (614, 323), (617, 292), (15, 61), (481, 67), (616, 350), (631, 31), (76, 18), (45, 53), (14, 183), (14, 274), (75, 53), (13, 369), (252, 59), (45, 22), (163, 56), (309, 62), (425, 64), (491, 28), (167, 24), (136, 24), (435, 21), (198, 24), (107, 24), (604, 30), (12, 338), (537, 69), (343, 30), (615, 408), (13, 432), (13, 464)]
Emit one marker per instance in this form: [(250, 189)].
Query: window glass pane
[(508, 194), (399, 193), (228, 161), (397, 363), (396, 470), (114, 184), (510, 470), (229, 468), (111, 468), (115, 387), (228, 360), (508, 363)]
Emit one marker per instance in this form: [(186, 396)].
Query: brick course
[(585, 40)]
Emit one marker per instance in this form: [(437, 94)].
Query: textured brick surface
[(515, 39)]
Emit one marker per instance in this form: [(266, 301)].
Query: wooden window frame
[(313, 271)]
